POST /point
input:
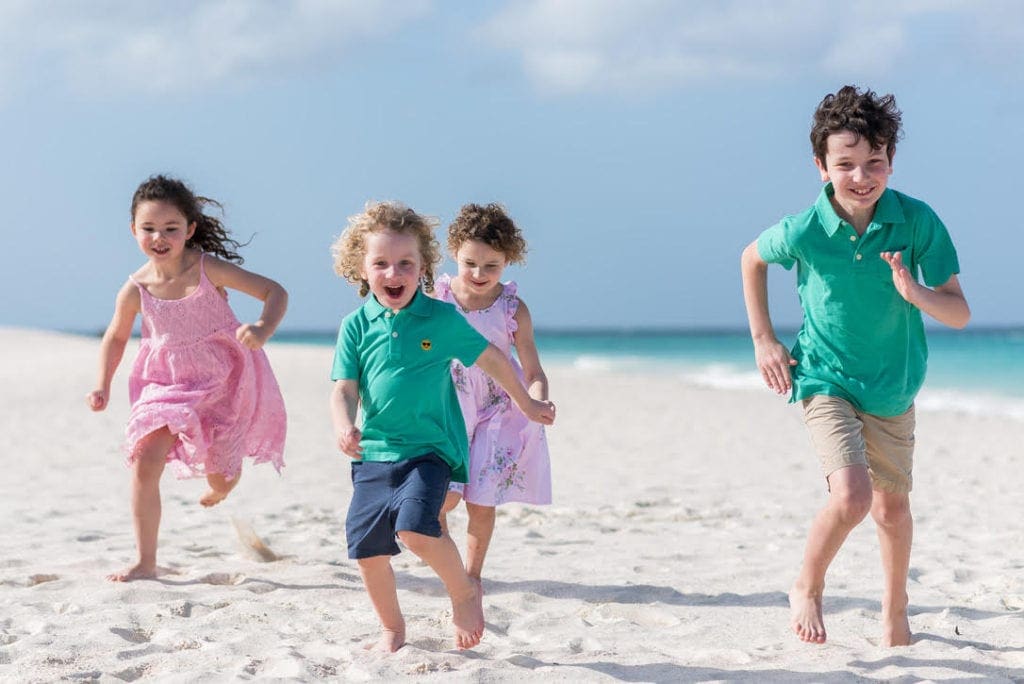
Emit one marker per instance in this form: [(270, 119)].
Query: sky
[(639, 144)]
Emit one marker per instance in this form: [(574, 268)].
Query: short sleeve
[(934, 250), (773, 246), (346, 352), (464, 342)]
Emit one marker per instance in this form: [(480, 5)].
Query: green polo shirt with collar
[(860, 340), (403, 364)]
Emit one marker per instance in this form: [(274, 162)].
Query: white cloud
[(569, 46), (184, 46)]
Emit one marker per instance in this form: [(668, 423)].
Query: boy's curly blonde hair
[(491, 225), (349, 249)]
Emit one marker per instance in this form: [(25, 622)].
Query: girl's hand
[(252, 335), (774, 362), (901, 276), (542, 412), (97, 400), (348, 442)]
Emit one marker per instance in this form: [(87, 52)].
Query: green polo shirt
[(860, 340), (403, 364)]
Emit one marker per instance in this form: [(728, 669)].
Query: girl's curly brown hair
[(349, 249), (491, 225), (865, 114)]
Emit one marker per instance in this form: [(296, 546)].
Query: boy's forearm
[(948, 308), (497, 365), (755, 294), (344, 406)]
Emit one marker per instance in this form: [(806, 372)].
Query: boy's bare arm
[(946, 303), (772, 357), (496, 364), (344, 404)]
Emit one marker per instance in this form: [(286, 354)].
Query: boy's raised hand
[(774, 362), (901, 276)]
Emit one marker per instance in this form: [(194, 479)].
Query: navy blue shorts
[(393, 496)]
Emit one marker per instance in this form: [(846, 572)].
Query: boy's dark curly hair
[(490, 225), (865, 114)]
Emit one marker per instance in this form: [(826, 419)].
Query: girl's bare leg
[(379, 580), (220, 487), (150, 458), (478, 538)]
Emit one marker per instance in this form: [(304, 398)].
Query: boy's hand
[(542, 412), (97, 400), (348, 442), (901, 276), (252, 335), (774, 362)]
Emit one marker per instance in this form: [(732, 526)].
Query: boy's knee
[(891, 511), (852, 505), (414, 541)]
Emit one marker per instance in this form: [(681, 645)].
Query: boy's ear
[(821, 169)]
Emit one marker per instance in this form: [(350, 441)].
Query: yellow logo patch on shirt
[(425, 345)]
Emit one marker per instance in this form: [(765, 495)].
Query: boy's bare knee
[(852, 505), (415, 541), (891, 511)]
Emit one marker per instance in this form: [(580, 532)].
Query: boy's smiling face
[(393, 267), (859, 173)]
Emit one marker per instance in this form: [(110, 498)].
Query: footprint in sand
[(135, 635), (222, 578), (33, 580)]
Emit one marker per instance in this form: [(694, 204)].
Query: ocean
[(975, 371)]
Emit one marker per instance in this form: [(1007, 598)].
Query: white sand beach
[(679, 520)]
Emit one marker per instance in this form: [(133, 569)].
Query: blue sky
[(640, 144)]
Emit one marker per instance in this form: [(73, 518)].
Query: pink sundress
[(508, 453), (193, 376)]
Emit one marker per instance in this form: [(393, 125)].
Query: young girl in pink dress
[(508, 454), (202, 392)]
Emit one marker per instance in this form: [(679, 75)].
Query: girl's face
[(393, 267), (161, 230), (480, 266)]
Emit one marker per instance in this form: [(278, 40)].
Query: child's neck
[(170, 270), (859, 220), (469, 301)]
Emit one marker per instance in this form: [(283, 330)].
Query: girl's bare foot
[(390, 641), (805, 615), (896, 630), (468, 616), (220, 487), (136, 572)]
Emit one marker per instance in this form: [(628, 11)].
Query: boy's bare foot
[(468, 616), (896, 630), (390, 641), (805, 615), (136, 572), (220, 487)]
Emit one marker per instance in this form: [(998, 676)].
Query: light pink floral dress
[(508, 453), (191, 375)]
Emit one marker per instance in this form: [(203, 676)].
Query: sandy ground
[(679, 521)]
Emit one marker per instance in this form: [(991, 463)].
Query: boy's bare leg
[(220, 487), (891, 513), (150, 458), (442, 556), (451, 500), (849, 501), (379, 580), (478, 539)]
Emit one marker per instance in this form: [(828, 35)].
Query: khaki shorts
[(844, 436)]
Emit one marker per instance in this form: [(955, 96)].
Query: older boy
[(860, 356)]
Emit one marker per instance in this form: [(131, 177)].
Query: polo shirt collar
[(419, 306), (887, 210)]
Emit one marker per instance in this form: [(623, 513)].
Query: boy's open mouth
[(395, 292)]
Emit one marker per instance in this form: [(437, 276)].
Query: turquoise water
[(964, 367)]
